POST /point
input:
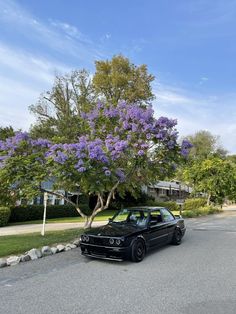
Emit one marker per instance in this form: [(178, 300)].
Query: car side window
[(155, 217), (167, 216)]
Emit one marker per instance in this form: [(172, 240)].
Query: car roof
[(146, 208)]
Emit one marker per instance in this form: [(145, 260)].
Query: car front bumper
[(105, 252)]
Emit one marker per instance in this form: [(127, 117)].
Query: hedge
[(193, 204), (35, 212), (172, 206), (4, 216), (201, 211)]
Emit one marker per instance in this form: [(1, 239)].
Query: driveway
[(197, 277)]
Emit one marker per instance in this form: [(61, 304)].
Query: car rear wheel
[(138, 251), (177, 237)]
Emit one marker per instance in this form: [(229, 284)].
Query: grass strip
[(17, 244)]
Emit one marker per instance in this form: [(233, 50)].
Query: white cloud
[(23, 77), (215, 113), (26, 72), (17, 61), (58, 36), (70, 30)]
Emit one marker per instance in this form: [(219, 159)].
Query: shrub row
[(194, 204), (35, 212), (168, 204), (201, 211), (4, 216)]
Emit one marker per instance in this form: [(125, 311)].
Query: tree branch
[(110, 195), (65, 198)]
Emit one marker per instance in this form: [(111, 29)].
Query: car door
[(157, 232), (170, 223)]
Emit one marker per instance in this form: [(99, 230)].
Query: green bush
[(193, 204), (201, 211), (189, 214), (4, 216), (35, 212)]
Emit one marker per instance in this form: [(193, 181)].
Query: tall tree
[(58, 110), (119, 79)]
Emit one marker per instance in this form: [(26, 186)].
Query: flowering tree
[(123, 147)]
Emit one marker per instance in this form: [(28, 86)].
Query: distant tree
[(119, 79), (214, 176), (204, 145), (232, 158)]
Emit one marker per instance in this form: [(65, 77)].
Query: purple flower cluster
[(40, 142), (120, 174), (185, 147), (111, 133)]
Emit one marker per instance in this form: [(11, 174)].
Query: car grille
[(97, 240)]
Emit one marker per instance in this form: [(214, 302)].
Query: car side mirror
[(109, 220)]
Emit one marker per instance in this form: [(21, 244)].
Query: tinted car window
[(137, 217), (167, 216), (155, 217)]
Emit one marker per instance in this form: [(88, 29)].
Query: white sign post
[(45, 198)]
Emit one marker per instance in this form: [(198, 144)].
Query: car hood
[(113, 230)]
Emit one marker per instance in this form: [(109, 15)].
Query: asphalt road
[(199, 276)]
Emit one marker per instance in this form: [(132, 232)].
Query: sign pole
[(45, 198)]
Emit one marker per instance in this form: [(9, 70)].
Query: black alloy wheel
[(177, 237), (138, 251)]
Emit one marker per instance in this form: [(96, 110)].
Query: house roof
[(173, 185)]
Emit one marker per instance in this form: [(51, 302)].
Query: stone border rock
[(34, 254)]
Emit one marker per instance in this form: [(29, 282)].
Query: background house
[(168, 190)]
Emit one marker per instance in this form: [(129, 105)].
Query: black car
[(132, 232)]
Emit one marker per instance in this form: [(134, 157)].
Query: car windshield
[(137, 217)]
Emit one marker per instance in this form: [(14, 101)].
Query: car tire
[(138, 251), (177, 237)]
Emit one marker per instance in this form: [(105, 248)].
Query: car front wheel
[(177, 237), (138, 251)]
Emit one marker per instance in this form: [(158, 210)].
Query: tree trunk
[(86, 222), (208, 199), (89, 221), (100, 206)]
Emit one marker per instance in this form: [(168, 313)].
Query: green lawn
[(17, 244)]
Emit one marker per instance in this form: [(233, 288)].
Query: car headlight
[(85, 238), (118, 242), (111, 241)]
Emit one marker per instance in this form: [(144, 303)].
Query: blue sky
[(188, 45)]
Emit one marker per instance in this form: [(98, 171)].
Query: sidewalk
[(22, 229), (229, 207)]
